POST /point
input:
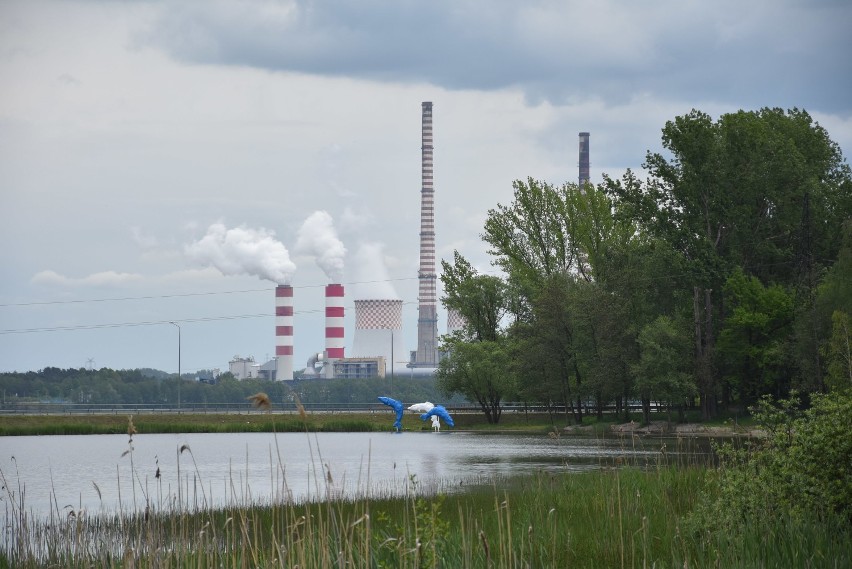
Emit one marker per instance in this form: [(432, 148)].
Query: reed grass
[(620, 516), (627, 514)]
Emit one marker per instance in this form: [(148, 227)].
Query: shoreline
[(259, 421)]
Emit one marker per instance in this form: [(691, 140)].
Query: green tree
[(530, 238), (840, 353), (481, 371), (763, 190), (477, 364), (753, 345), (479, 299), (663, 372), (545, 239)]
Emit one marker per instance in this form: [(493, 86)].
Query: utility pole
[(179, 377)]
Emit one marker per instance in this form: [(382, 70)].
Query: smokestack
[(334, 321), (584, 159), (427, 321), (284, 332), (378, 329)]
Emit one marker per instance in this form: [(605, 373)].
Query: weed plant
[(627, 514)]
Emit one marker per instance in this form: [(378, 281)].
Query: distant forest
[(153, 387)]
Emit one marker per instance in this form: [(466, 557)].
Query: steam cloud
[(243, 251), (372, 279), (318, 238)]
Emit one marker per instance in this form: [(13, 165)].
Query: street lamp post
[(391, 362), (179, 378)]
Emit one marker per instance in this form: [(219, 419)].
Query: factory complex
[(377, 343)]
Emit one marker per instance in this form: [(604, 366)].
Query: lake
[(97, 474)]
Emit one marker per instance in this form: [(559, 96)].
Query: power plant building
[(378, 330), (378, 341), (455, 321)]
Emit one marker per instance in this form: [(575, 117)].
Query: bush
[(801, 471)]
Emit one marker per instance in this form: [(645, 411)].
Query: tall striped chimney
[(584, 159), (284, 332), (427, 321), (334, 321)]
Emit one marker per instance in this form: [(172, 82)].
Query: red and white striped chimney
[(284, 332), (334, 321)]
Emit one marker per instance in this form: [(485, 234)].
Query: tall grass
[(624, 515), (618, 518)]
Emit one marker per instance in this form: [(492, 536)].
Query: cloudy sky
[(168, 161)]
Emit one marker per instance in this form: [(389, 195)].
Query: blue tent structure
[(439, 411), (397, 406)]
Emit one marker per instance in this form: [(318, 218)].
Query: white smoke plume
[(372, 280), (318, 238), (243, 251)]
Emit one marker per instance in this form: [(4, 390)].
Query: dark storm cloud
[(785, 53)]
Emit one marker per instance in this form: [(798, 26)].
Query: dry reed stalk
[(260, 400)]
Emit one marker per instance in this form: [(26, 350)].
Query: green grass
[(260, 421), (250, 421), (614, 518)]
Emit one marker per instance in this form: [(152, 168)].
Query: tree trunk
[(703, 351), (579, 396)]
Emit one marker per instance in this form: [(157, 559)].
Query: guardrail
[(35, 408)]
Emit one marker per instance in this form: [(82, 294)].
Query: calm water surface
[(92, 472)]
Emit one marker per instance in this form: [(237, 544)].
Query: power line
[(155, 322), (128, 324), (184, 295)]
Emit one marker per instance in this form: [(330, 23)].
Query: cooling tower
[(284, 332), (334, 321), (427, 321), (584, 159), (378, 330), (455, 321)]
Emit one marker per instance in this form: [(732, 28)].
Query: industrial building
[(378, 342)]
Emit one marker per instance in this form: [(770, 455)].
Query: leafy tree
[(530, 238), (477, 361), (481, 371), (663, 372), (753, 345), (840, 353), (602, 341), (764, 190), (545, 239), (553, 331), (820, 328), (479, 299)]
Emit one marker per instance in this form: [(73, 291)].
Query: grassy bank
[(250, 421), (617, 518)]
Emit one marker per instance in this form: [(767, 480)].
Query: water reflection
[(64, 473)]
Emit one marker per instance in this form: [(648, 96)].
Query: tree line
[(154, 387), (723, 276)]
